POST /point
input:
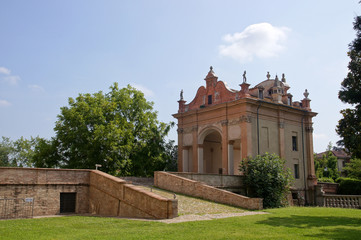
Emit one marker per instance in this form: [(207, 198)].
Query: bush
[(349, 186), (353, 168), (266, 177), (325, 179)]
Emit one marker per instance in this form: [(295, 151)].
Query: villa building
[(222, 126)]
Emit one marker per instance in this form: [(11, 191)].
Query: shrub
[(353, 168), (266, 177), (325, 179), (349, 186)]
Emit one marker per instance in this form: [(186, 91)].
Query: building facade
[(222, 126)]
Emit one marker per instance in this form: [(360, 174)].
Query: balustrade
[(342, 201)]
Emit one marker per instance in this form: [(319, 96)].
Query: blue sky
[(53, 50)]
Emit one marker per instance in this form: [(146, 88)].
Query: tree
[(23, 151), (266, 177), (118, 130), (349, 127), (353, 168), (46, 154), (19, 153), (326, 167), (6, 148), (171, 156)]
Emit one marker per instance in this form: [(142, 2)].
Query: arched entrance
[(212, 152)]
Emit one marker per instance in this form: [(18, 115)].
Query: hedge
[(349, 186)]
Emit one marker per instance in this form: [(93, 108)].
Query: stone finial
[(283, 78), (306, 94), (306, 101), (268, 75), (244, 76), (181, 94), (276, 83), (211, 73)]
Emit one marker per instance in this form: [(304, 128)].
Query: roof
[(340, 154)]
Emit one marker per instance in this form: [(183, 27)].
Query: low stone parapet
[(220, 180), (112, 196), (342, 201), (178, 184), (95, 192)]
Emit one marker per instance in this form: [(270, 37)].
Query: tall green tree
[(353, 168), (6, 149), (18, 153), (326, 167), (118, 130), (349, 127)]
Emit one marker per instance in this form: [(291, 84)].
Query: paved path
[(190, 218)]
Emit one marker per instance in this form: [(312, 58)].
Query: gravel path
[(192, 209), (192, 217)]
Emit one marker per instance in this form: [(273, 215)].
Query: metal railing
[(342, 201), (16, 208)]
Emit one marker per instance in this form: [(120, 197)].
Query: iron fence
[(16, 208)]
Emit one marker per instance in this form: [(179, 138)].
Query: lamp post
[(97, 165)]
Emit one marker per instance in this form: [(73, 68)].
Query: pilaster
[(225, 147)]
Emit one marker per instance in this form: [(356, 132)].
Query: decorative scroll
[(309, 129), (245, 118)]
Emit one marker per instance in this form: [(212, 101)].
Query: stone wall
[(96, 193), (194, 188), (213, 179), (329, 188), (45, 187), (112, 196)]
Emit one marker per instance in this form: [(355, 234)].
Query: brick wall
[(329, 188), (189, 187), (213, 179), (96, 192), (45, 187), (113, 197)]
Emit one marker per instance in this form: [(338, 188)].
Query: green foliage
[(171, 157), (353, 168), (326, 167), (6, 149), (46, 154), (19, 153), (349, 186), (325, 179), (266, 177), (118, 130), (349, 127)]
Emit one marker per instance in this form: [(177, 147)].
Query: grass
[(283, 223), (191, 205)]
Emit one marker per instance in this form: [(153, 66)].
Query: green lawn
[(285, 223)]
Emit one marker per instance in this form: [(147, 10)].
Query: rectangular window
[(296, 171), (294, 143), (260, 94), (209, 99)]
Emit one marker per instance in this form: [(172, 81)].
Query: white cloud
[(12, 80), (147, 92), (36, 88), (4, 103), (260, 40), (4, 70)]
